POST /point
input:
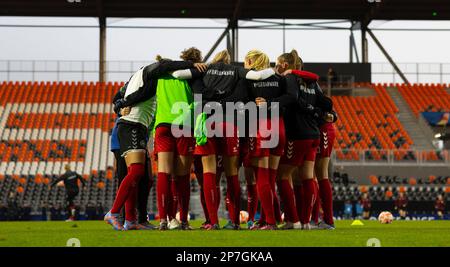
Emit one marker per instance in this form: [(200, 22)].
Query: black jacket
[(219, 82), (150, 75), (273, 90), (301, 116), (70, 179)]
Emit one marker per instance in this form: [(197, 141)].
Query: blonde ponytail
[(259, 60), (298, 63), (223, 56)]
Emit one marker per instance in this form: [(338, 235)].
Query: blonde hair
[(259, 60), (223, 56), (292, 59)]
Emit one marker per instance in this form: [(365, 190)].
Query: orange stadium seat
[(425, 97), (60, 118), (47, 124), (20, 189), (369, 123), (374, 180), (412, 181)]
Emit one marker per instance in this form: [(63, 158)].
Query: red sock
[(173, 200), (276, 201), (170, 197), (316, 205), (252, 201), (326, 197), (265, 194), (234, 195), (150, 175), (218, 195), (309, 196), (163, 194), (281, 201), (203, 201), (298, 193), (288, 198), (262, 218), (184, 195), (210, 192), (135, 173), (199, 174), (130, 205)]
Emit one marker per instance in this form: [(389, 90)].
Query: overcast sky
[(145, 44)]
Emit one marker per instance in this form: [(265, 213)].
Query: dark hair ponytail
[(292, 59)]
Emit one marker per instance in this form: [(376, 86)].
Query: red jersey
[(401, 203), (439, 205), (365, 203)]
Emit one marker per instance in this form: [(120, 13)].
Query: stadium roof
[(243, 9)]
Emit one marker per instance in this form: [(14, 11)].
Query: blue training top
[(114, 139)]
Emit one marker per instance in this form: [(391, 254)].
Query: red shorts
[(226, 146), (299, 151), (166, 142), (327, 137), (255, 143)]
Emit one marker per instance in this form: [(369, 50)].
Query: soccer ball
[(385, 217), (177, 216), (243, 216)]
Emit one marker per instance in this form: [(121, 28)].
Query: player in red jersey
[(439, 206), (366, 205), (270, 94), (175, 150), (302, 129), (218, 85), (133, 134), (401, 204), (325, 196)]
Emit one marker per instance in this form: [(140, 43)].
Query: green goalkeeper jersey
[(174, 100)]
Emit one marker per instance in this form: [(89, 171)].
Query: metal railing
[(88, 70), (65, 70), (414, 72), (392, 157), (342, 82)]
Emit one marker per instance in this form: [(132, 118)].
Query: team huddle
[(201, 119)]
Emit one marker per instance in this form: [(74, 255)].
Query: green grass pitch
[(99, 234)]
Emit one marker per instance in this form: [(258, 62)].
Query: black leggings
[(144, 185), (71, 195)]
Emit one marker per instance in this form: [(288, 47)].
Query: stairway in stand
[(409, 121)]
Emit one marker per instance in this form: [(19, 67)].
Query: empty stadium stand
[(369, 127), (44, 125), (425, 97), (368, 123)]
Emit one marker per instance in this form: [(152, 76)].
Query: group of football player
[(171, 103)]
